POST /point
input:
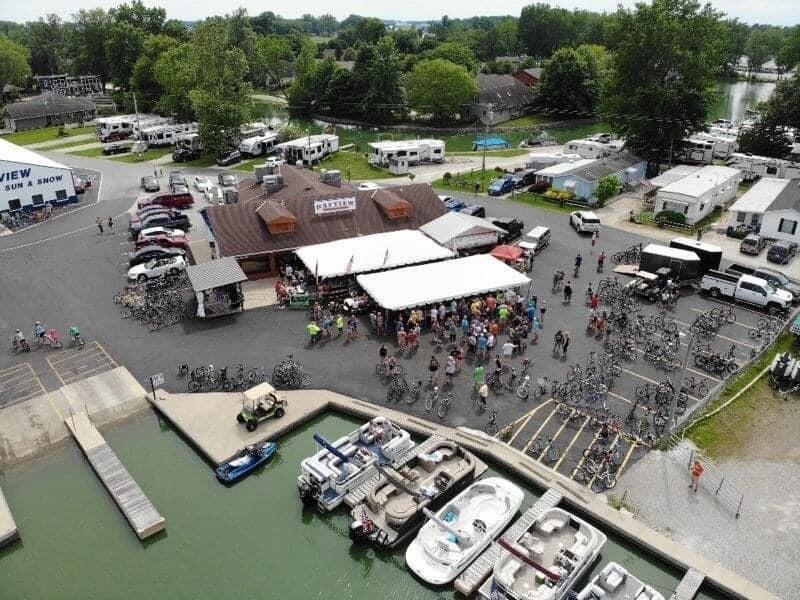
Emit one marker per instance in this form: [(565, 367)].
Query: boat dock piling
[(8, 528), (480, 569), (137, 508), (689, 586)]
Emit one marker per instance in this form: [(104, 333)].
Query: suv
[(512, 228), (183, 154), (452, 204), (150, 184), (182, 200), (781, 252), (115, 148), (226, 179), (584, 220), (229, 158), (502, 186), (752, 244), (177, 178), (170, 221), (474, 210)]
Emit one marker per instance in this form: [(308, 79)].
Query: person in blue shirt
[(482, 344)]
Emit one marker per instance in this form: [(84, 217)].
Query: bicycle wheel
[(429, 403), (702, 389), (553, 453), (732, 367), (305, 380), (194, 385), (581, 476), (441, 410), (490, 428)]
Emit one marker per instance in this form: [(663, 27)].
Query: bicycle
[(413, 391), (523, 388), (431, 398), (692, 384), (541, 387), (491, 427), (604, 480), (444, 404)]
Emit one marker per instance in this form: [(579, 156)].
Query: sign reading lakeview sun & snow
[(15, 180), (334, 205)]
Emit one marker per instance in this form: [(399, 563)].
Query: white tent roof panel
[(370, 253), (436, 282), (18, 154), (452, 225)]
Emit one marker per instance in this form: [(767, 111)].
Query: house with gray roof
[(500, 98), (772, 207), (582, 177), (46, 110)]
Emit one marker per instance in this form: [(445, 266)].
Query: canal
[(733, 97), (253, 540)]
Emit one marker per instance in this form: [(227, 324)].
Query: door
[(749, 292), (754, 220)]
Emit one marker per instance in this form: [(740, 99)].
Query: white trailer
[(540, 161), (413, 151), (724, 146), (599, 146), (698, 151), (754, 167), (259, 144), (310, 148), (255, 128), (121, 124), (166, 135)]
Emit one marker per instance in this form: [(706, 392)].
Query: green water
[(253, 540), (733, 97)]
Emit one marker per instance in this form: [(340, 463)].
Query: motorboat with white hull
[(546, 561), (463, 528), (347, 463), (392, 510), (615, 582)]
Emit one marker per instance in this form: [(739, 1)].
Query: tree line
[(649, 71)]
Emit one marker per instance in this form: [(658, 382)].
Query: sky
[(776, 12)]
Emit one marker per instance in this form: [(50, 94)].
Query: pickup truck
[(776, 278), (746, 289)]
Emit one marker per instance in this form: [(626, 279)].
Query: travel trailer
[(698, 151), (310, 148), (414, 151), (259, 144), (166, 135)]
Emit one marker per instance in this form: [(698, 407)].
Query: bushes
[(670, 216)]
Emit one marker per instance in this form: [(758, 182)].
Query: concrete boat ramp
[(8, 528)]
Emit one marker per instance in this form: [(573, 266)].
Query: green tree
[(571, 82), (272, 61), (457, 53), (734, 41), (14, 62), (385, 94), (301, 94), (148, 19), (758, 49), (543, 29), (783, 107), (788, 56), (370, 30), (124, 44), (176, 72), (87, 42), (440, 88), (764, 139), (608, 186), (506, 33), (338, 98), (144, 80), (46, 41), (660, 84)]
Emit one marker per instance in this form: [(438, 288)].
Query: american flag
[(349, 268), (646, 184)]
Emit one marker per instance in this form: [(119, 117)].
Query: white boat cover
[(436, 282), (370, 253)]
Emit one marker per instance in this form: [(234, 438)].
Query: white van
[(536, 240)]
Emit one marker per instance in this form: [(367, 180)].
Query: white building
[(541, 161), (459, 231), (28, 180), (309, 148), (783, 215), (754, 166), (413, 151), (598, 146), (769, 195), (696, 195), (549, 173), (673, 174)]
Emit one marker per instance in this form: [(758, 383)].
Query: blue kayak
[(248, 459)]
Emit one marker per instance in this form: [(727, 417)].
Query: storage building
[(29, 180), (47, 110)]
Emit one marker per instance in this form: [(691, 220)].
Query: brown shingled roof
[(239, 231)]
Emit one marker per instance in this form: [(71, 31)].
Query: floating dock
[(137, 508), (8, 528), (689, 586), (479, 570)]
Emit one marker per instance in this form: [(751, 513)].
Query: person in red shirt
[(491, 304), (595, 301), (494, 329), (697, 471)]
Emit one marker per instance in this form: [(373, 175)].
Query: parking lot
[(72, 364), (19, 383)]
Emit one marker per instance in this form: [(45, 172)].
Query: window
[(787, 226), (38, 200), (61, 194), (772, 170), (740, 217), (14, 204)]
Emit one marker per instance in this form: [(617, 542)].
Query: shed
[(46, 110), (217, 287), (490, 143), (446, 280), (460, 231)]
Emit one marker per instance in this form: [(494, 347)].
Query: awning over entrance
[(215, 273)]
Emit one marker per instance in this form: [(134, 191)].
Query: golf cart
[(260, 403)]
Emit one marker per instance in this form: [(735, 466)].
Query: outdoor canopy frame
[(436, 282), (370, 253)]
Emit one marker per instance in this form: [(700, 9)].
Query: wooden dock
[(8, 527), (689, 586), (137, 508), (478, 571)]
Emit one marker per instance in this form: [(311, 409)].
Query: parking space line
[(734, 323), (85, 374), (19, 375), (611, 447), (571, 443), (627, 457), (84, 362), (528, 418), (14, 368), (719, 335), (55, 371), (90, 351), (623, 398), (103, 350), (703, 374), (639, 376), (739, 306), (583, 458), (538, 431), (555, 435)]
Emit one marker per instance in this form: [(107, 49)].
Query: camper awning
[(370, 253), (215, 273), (446, 280)]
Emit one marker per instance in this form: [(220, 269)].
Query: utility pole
[(485, 133), (136, 110), (673, 409)]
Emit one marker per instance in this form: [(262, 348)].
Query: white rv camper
[(310, 148), (698, 151), (166, 135), (413, 151), (259, 144)]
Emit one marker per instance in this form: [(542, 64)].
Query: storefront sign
[(334, 205)]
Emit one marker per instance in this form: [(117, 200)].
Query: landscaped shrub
[(670, 216), (447, 177)]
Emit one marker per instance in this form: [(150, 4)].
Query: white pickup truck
[(746, 289)]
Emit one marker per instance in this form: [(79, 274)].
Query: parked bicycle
[(491, 426), (444, 405)]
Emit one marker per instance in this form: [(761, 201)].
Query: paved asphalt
[(65, 273)]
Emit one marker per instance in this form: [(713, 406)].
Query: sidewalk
[(749, 545)]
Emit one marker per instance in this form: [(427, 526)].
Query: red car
[(165, 240), (170, 200)]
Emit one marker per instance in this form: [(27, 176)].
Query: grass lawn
[(511, 152), (465, 182), (91, 152), (726, 431), (354, 166), (66, 144), (151, 154), (565, 134), (43, 135), (533, 200), (529, 121), (247, 165), (203, 161)]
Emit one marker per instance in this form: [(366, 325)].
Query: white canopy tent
[(370, 253), (437, 282)]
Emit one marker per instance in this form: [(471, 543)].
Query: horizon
[(784, 13)]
